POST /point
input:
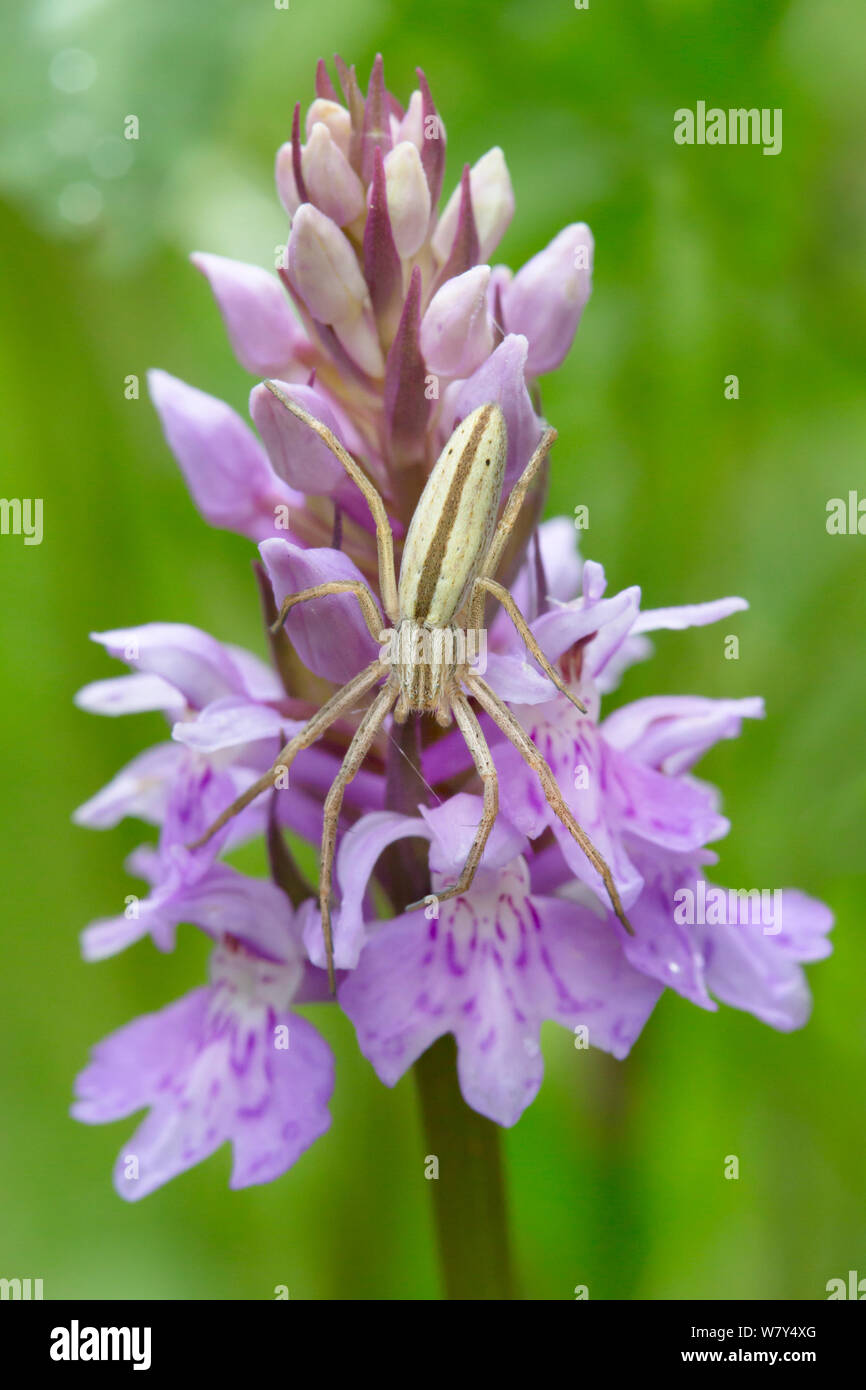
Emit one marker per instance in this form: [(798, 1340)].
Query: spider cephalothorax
[(452, 551)]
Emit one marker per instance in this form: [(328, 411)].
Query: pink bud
[(329, 634), (412, 124), (335, 117), (331, 182), (546, 298), (408, 197), (500, 378), (456, 333), (324, 271), (323, 267), (492, 205), (296, 452)]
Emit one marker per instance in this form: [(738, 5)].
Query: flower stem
[(469, 1193)]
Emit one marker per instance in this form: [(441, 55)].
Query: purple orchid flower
[(387, 323), (228, 712), (228, 1061), (653, 819), (492, 966)]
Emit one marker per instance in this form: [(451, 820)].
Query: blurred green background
[(710, 261)]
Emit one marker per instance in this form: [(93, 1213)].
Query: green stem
[(469, 1193)]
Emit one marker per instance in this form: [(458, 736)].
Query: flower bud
[(323, 267), (335, 117), (296, 452), (331, 182), (412, 124), (492, 205), (546, 298), (456, 332), (502, 378), (408, 197)]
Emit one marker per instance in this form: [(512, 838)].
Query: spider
[(452, 550)]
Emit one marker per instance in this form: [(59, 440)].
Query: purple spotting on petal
[(228, 1062), (501, 963)]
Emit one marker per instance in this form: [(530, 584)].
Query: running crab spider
[(452, 551)]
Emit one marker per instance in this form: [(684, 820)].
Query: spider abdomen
[(453, 523)]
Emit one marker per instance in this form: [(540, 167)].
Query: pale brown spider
[(452, 551)]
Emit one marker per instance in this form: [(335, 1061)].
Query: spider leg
[(339, 702), (336, 586), (357, 752), (502, 716), (500, 592), (384, 536), (513, 506), (468, 724)]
